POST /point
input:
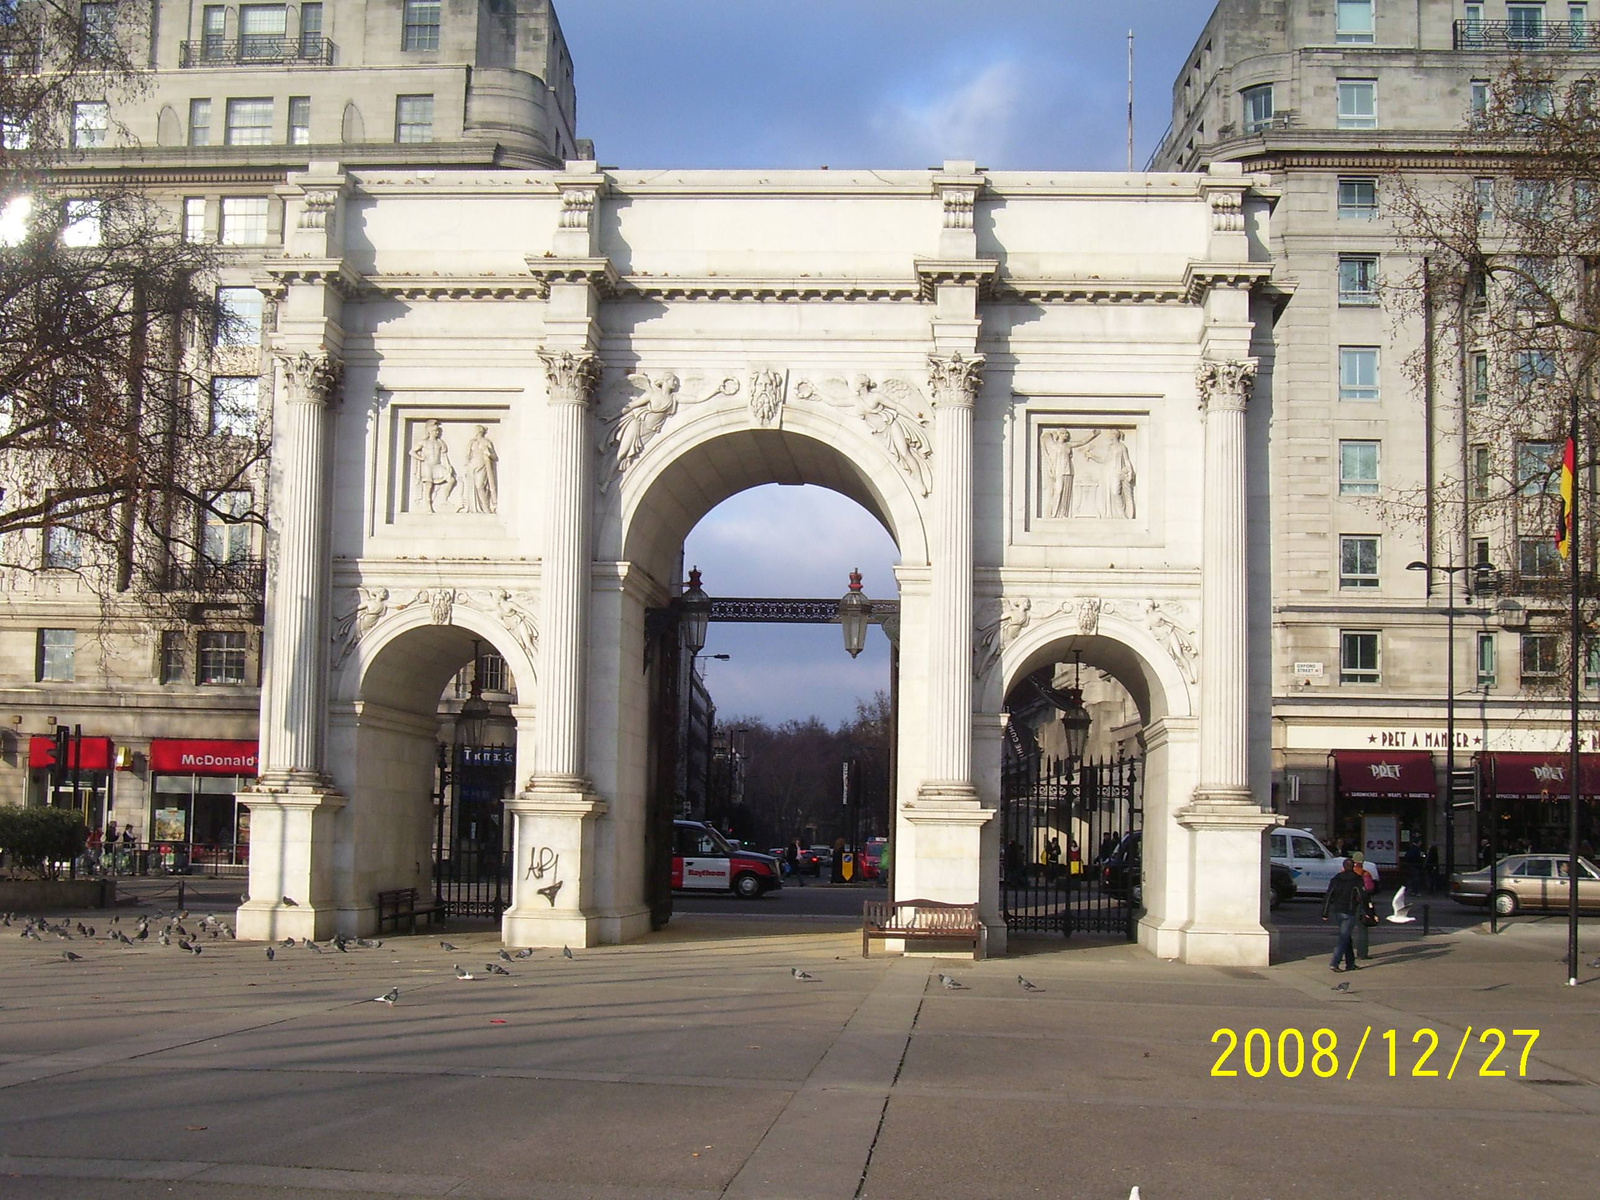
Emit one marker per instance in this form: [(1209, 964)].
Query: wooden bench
[(923, 920), (401, 905)]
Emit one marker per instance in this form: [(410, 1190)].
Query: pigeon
[(1028, 985), (183, 913), (463, 973), (287, 942), (503, 956), (71, 957), (388, 997), (495, 969), (566, 952), (271, 954), (183, 944), (310, 945), (164, 939), (1595, 965), (144, 933), (196, 947), (338, 944), (367, 945), (951, 982), (446, 946), (1401, 908), (525, 953), (1342, 987), (802, 976), (288, 903)]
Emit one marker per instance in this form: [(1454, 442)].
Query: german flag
[(1569, 473)]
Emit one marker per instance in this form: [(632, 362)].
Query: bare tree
[(115, 445)]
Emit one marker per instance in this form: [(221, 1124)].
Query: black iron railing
[(239, 576), (256, 49), (1527, 35)]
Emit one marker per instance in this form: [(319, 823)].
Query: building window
[(1541, 657), (58, 649), (200, 122), (1584, 207), (1358, 562), (174, 656), (1478, 377), (97, 30), (91, 120), (262, 31), (80, 224), (1533, 103), (421, 25), (222, 657), (1530, 198), (299, 120), (1535, 367), (1537, 464), (194, 218), (233, 405), (1481, 468), (250, 121), (1486, 660), (63, 547), (1525, 22), (1537, 557), (1358, 199), (1358, 279), (1358, 468), (413, 119), (244, 221), (1483, 196), (1578, 25), (213, 31), (1480, 553), (1591, 665), (14, 134), (311, 31), (1257, 108), (1358, 373), (224, 528), (1478, 107), (238, 316), (1358, 656), (1358, 104), (1353, 21)]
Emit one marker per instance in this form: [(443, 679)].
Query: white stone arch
[(716, 449), (351, 682)]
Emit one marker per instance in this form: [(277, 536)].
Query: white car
[(1310, 862)]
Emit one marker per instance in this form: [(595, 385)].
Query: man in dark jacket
[(1346, 897)]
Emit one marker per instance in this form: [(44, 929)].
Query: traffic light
[(1464, 787)]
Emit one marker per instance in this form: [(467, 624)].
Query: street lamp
[(1485, 576), (696, 607), (473, 720), (854, 611), (1075, 719)]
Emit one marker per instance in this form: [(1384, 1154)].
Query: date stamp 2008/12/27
[(1292, 1055)]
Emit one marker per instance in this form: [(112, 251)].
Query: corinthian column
[(1224, 770), (294, 656), (955, 382)]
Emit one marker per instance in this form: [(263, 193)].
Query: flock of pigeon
[(171, 927), (462, 973), (949, 982)]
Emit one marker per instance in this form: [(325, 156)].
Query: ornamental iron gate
[(1070, 845), (471, 862)]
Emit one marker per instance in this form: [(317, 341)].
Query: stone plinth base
[(553, 865), (291, 863), (945, 826)]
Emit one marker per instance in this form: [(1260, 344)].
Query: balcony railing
[(255, 50), (237, 577), (1524, 35)]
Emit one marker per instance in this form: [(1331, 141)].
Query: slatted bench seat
[(401, 906), (923, 920)]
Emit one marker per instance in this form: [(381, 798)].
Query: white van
[(1310, 862)]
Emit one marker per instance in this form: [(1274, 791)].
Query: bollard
[(1427, 914), (180, 898)]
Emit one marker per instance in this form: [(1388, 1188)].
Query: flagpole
[(1575, 549)]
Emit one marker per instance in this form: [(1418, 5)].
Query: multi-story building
[(1335, 101), (167, 700)]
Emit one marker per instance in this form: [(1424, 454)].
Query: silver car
[(1533, 881)]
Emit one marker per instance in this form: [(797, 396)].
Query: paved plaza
[(696, 1065)]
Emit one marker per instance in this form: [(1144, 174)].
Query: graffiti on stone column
[(545, 861)]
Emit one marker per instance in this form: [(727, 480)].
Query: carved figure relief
[(895, 411), (767, 391), (351, 627), (432, 474), (515, 612), (1088, 611), (1177, 638), (992, 637), (1086, 473), (643, 417), (481, 493)]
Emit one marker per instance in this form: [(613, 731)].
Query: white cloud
[(969, 120)]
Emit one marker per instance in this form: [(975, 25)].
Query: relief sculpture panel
[(452, 467), (1086, 473)]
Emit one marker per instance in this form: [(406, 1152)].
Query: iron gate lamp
[(473, 720), (1075, 719), (696, 608), (855, 609)]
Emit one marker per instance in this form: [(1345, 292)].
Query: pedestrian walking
[(1369, 913), (1345, 899), (792, 856)]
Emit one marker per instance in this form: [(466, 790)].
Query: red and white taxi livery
[(702, 860)]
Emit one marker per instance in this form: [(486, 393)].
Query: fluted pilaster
[(955, 381), (1224, 743), (558, 745), (294, 658)]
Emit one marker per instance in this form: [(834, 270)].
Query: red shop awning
[(1524, 776), (202, 756), (1391, 775), (87, 754)]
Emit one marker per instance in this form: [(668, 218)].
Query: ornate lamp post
[(695, 606), (1075, 719), (855, 610)]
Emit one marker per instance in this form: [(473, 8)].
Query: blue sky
[(1015, 84)]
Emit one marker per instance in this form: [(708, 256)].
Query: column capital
[(313, 377), (955, 379), (573, 376), (1225, 384)]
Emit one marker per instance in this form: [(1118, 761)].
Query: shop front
[(1382, 800), (1528, 797), (83, 782), (197, 816)]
